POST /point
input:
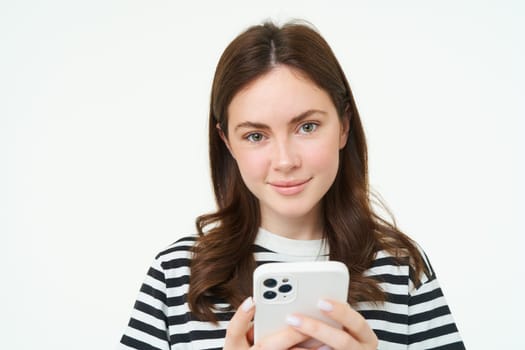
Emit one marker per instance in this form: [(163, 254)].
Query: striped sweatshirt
[(411, 318)]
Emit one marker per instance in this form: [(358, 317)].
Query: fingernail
[(324, 305), (247, 304), (293, 321), (324, 347)]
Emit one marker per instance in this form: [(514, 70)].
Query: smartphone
[(281, 289)]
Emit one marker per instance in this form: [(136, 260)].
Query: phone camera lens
[(270, 283), (285, 288), (269, 295)]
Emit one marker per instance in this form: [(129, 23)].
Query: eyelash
[(249, 137)]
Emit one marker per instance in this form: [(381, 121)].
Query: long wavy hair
[(223, 261)]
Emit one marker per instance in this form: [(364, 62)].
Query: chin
[(294, 212)]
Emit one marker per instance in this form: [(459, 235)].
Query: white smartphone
[(282, 289)]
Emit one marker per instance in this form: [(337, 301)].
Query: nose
[(286, 156)]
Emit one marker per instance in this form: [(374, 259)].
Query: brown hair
[(223, 262)]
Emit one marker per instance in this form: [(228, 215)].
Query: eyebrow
[(294, 120)]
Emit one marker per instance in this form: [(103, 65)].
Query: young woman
[(289, 169)]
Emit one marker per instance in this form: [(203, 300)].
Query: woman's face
[(285, 135)]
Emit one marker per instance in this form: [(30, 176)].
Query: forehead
[(283, 92)]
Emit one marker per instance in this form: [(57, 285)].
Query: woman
[(289, 169)]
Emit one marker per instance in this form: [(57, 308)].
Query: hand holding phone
[(283, 289)]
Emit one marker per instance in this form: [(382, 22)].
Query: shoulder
[(397, 268), (398, 280), (176, 255), (393, 274), (183, 244), (428, 274)]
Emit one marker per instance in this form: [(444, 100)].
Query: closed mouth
[(289, 188), (285, 184)]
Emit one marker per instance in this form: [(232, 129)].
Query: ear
[(224, 138), (345, 129)]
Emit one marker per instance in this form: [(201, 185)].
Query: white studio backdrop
[(103, 153)]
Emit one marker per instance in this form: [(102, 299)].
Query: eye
[(255, 137), (308, 128)]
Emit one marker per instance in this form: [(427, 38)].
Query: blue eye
[(255, 137), (308, 128)]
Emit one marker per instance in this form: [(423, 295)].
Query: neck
[(306, 227)]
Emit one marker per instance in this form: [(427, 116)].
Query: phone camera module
[(270, 283), (269, 295), (285, 288)]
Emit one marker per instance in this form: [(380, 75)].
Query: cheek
[(323, 157), (251, 165)]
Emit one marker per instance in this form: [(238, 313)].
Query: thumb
[(239, 326)]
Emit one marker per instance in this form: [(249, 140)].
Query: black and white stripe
[(411, 318)]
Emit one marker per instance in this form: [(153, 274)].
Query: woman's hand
[(356, 333), (239, 334)]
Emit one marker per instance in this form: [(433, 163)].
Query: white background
[(103, 153)]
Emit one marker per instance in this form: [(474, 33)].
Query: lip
[(289, 188)]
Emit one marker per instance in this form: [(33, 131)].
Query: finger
[(284, 339), (351, 320), (322, 347), (250, 335), (334, 337), (239, 326)]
